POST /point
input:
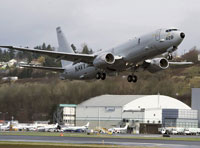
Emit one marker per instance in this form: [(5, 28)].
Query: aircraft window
[(169, 30)]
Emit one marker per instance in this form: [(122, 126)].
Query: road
[(109, 141)]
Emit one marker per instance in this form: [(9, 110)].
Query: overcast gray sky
[(101, 24)]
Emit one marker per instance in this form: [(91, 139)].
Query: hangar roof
[(136, 102), (155, 101), (110, 100)]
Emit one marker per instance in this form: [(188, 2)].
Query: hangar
[(143, 113)]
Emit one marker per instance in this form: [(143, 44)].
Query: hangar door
[(149, 128)]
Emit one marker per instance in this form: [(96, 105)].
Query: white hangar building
[(141, 112)]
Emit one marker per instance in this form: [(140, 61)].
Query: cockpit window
[(169, 30)]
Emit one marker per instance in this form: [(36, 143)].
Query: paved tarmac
[(109, 141)]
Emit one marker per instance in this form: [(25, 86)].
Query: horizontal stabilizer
[(57, 69)]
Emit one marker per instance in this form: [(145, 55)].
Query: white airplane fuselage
[(132, 52), (75, 128)]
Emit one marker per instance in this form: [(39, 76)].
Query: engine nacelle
[(157, 64), (104, 60)]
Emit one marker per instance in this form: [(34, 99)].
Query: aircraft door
[(157, 36)]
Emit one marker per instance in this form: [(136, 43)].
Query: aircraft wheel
[(103, 76), (98, 75), (134, 79), (130, 78)]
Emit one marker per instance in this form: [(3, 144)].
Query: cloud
[(99, 23)]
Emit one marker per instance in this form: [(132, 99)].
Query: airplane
[(5, 127), (31, 127), (138, 53), (74, 128), (48, 128), (118, 129), (19, 127)]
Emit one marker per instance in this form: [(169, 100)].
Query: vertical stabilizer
[(87, 125), (63, 46)]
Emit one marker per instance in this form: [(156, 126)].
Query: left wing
[(73, 57)]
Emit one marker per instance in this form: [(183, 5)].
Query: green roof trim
[(67, 105)]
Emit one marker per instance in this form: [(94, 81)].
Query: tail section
[(87, 125), (63, 45), (56, 125), (8, 124), (126, 126)]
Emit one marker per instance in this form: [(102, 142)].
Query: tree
[(41, 59), (192, 55), (44, 46), (86, 49), (49, 48), (20, 55), (1, 54), (6, 56), (11, 53)]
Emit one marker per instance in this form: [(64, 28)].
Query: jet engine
[(157, 64), (104, 60)]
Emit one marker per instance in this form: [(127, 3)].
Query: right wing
[(57, 69), (180, 64), (73, 57)]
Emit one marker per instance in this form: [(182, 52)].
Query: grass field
[(187, 138), (4, 144)]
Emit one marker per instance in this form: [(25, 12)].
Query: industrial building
[(143, 113), (196, 101)]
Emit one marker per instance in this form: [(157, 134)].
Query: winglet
[(6, 46)]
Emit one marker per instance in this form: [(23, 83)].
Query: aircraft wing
[(57, 69), (73, 57), (180, 64)]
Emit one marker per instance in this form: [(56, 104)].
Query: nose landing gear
[(101, 76), (132, 78), (169, 56)]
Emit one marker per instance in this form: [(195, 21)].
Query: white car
[(174, 132), (187, 132)]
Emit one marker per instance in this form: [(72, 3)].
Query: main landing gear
[(101, 75), (132, 78)]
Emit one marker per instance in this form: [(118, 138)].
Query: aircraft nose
[(182, 35)]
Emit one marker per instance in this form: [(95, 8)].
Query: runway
[(109, 141)]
